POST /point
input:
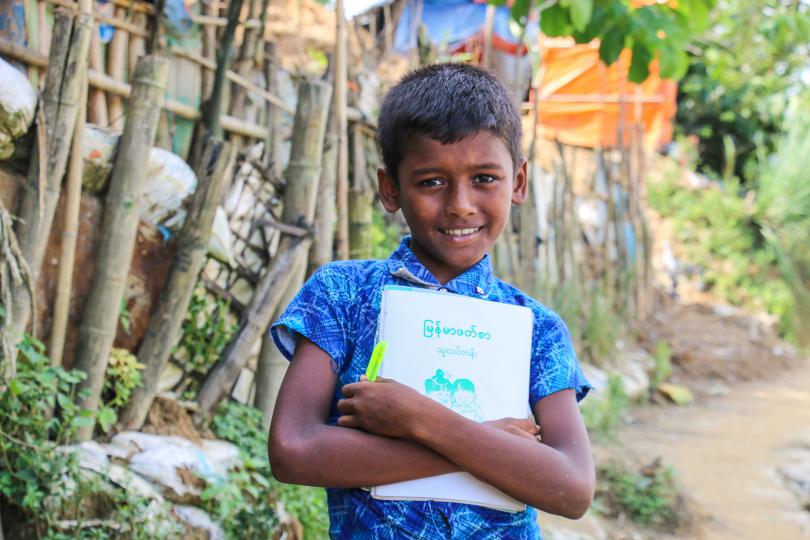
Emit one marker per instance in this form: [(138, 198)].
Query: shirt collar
[(475, 281)]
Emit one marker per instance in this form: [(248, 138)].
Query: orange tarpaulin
[(582, 100)]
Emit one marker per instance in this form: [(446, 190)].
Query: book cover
[(468, 354)]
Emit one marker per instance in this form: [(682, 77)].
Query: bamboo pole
[(120, 226), (209, 124), (271, 365), (116, 68), (324, 225), (97, 106), (341, 125), (108, 84), (209, 48), (166, 322), (272, 147), (361, 199), (60, 102), (70, 228), (299, 208), (137, 44)]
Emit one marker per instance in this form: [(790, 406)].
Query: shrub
[(246, 501), (648, 497)]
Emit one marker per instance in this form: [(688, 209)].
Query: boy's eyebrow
[(433, 169)]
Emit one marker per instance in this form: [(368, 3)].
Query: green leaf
[(640, 65), (554, 21), (581, 11), (612, 44), (520, 10), (15, 387), (106, 418), (674, 62)]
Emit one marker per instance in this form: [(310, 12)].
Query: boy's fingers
[(347, 420), (344, 406), (350, 389)]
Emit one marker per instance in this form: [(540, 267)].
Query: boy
[(450, 140)]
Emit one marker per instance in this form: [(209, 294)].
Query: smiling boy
[(450, 140)]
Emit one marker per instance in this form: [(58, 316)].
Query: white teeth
[(460, 232)]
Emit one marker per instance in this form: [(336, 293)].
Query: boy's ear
[(520, 187), (388, 190)]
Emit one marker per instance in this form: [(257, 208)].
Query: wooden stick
[(221, 22), (341, 125), (299, 208), (234, 77), (209, 124), (60, 103), (166, 322), (120, 227)]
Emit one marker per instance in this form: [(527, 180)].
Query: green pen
[(376, 360)]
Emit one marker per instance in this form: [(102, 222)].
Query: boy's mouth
[(460, 233)]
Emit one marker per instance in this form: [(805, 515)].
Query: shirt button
[(442, 289), (479, 290)]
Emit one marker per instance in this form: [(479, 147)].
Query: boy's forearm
[(332, 456), (531, 472)]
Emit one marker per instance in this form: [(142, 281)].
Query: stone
[(18, 102), (197, 518)]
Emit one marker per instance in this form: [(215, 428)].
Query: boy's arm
[(556, 476), (305, 450)]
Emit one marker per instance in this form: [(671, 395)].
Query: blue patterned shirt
[(337, 309)]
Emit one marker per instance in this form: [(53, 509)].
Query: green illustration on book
[(458, 395)]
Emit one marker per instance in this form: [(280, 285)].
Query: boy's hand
[(383, 407), (522, 427)]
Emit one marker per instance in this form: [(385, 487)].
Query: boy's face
[(455, 197)]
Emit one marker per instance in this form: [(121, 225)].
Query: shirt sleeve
[(319, 312), (554, 363)]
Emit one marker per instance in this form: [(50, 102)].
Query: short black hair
[(446, 102)]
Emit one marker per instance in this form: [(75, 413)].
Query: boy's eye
[(431, 182), (485, 179)]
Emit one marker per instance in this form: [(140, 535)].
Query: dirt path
[(727, 451), (730, 448)]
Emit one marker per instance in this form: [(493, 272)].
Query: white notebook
[(469, 354)]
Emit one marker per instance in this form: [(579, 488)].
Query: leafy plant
[(751, 56), (122, 376), (207, 330), (718, 232), (663, 364), (603, 326), (40, 479), (602, 415), (247, 498), (384, 236), (782, 211), (658, 31), (648, 497)]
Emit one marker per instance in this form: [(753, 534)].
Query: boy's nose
[(460, 202)]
